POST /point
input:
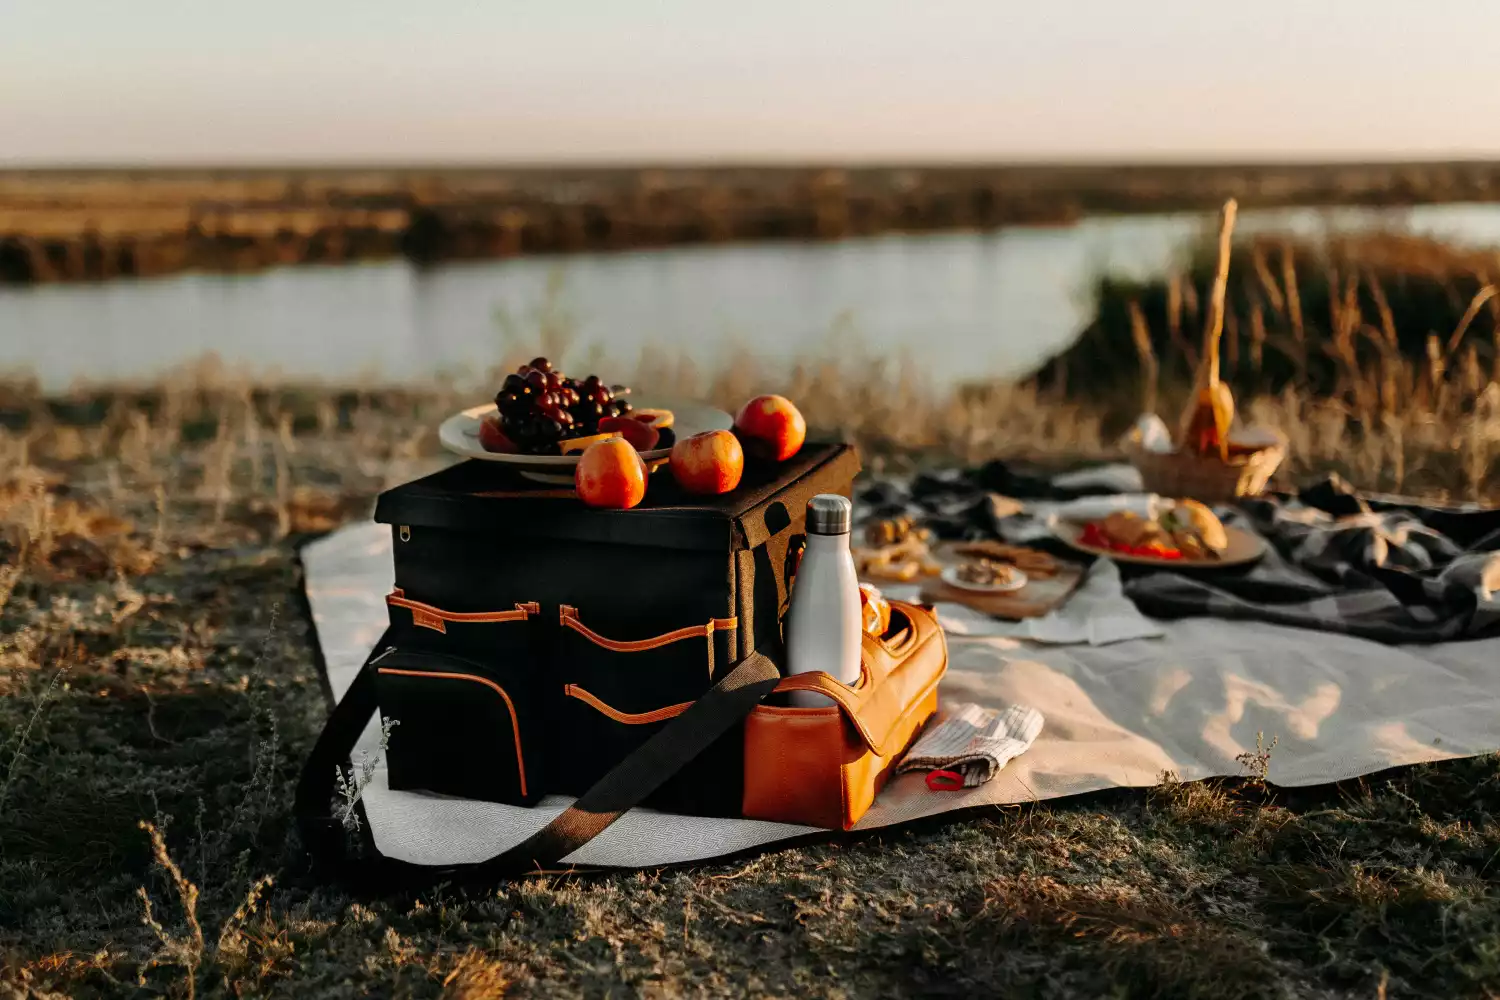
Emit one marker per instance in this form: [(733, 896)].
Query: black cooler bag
[(535, 642)]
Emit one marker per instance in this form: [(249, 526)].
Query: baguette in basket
[(1210, 461)]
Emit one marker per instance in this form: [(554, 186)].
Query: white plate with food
[(542, 420), (985, 576), (460, 432), (1186, 534)]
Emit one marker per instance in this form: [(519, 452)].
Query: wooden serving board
[(1038, 597)]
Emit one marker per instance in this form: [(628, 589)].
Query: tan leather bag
[(824, 766)]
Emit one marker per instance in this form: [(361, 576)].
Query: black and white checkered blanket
[(1338, 562)]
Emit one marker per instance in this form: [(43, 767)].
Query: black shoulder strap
[(630, 781)]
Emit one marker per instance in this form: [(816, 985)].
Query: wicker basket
[(1206, 477)]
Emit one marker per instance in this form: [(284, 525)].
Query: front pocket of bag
[(636, 674), (484, 635), (462, 728), (619, 691)]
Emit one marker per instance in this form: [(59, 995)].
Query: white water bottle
[(825, 622)]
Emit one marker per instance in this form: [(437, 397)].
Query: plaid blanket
[(1338, 562)]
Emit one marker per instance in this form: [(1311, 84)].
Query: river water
[(959, 306)]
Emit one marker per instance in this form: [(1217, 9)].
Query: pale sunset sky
[(278, 81)]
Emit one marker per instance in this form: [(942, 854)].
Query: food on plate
[(895, 572), (770, 427), (1186, 530), (901, 562), (893, 530), (1189, 545), (661, 421), (875, 609), (492, 438), (611, 474), (656, 417), (582, 444), (642, 437), (709, 463), (1204, 523), (1035, 564), (985, 572), (541, 407), (1131, 530)]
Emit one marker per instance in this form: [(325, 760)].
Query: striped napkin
[(974, 742)]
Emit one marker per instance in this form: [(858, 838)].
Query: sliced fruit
[(660, 419), (641, 436), (492, 438), (582, 443)]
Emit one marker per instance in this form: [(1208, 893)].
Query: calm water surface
[(962, 306)]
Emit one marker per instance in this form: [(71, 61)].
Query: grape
[(539, 406)]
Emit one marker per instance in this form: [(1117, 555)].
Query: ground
[(154, 669)]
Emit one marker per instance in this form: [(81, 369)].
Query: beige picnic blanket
[(1117, 715)]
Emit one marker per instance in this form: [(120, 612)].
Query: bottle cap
[(828, 514)]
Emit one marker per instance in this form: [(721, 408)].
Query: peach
[(709, 463), (611, 474), (770, 427)]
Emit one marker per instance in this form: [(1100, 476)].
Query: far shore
[(100, 224)]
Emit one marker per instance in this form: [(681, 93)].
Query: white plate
[(951, 577), (460, 435), (1244, 548)]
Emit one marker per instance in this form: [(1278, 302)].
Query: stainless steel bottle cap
[(828, 514)]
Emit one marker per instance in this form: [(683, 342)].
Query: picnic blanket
[(1339, 562), (1189, 701)]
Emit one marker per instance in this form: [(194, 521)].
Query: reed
[(1375, 354)]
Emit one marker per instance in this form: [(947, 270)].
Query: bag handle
[(635, 777)]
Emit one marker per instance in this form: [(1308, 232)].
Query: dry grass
[(1377, 355)]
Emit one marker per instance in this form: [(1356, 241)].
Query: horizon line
[(1170, 161)]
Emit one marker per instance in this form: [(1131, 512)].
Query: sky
[(347, 81)]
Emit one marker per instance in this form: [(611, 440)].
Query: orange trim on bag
[(515, 725), (629, 718), (428, 616), (567, 616)]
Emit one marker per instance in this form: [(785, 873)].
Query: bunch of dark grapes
[(541, 407)]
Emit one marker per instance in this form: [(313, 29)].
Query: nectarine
[(611, 474), (708, 463), (771, 427)]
